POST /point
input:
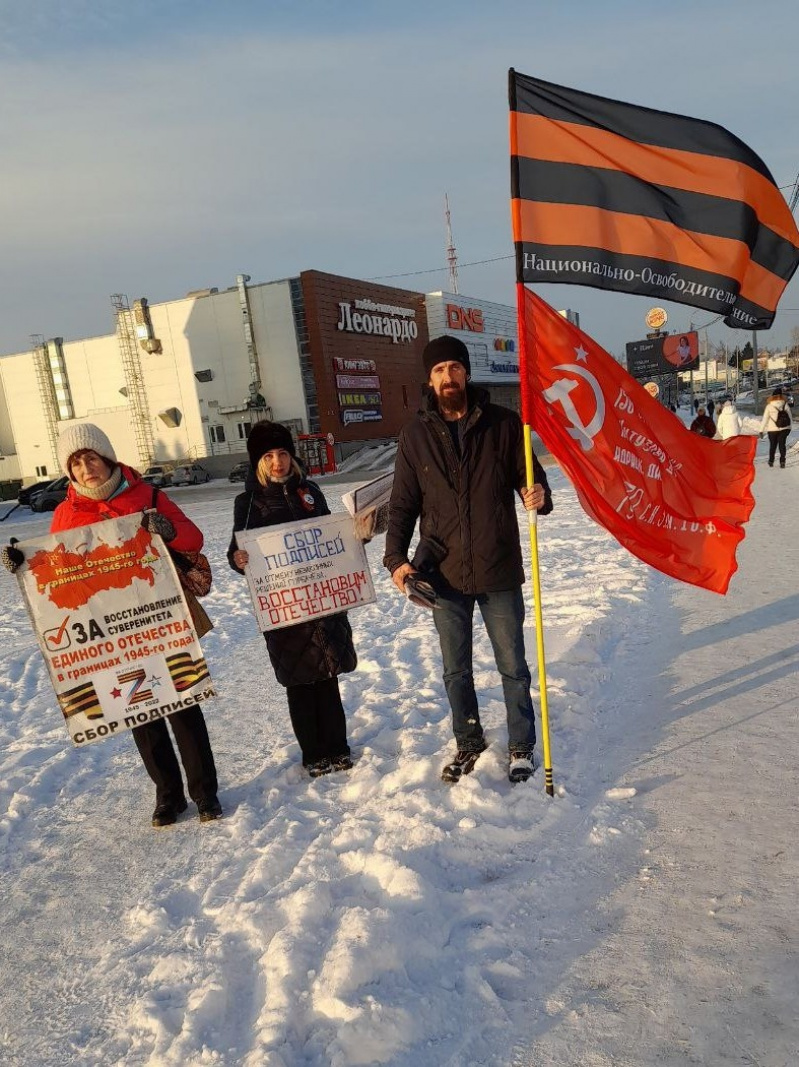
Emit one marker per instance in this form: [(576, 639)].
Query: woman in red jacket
[(101, 488)]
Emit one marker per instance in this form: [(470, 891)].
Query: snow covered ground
[(644, 916), (369, 458)]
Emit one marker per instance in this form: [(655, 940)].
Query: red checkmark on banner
[(54, 638)]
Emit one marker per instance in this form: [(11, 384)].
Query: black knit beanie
[(445, 349), (267, 436)]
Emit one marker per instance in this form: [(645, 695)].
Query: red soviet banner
[(676, 500)]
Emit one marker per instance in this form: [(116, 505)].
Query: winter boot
[(209, 809), (462, 764), (521, 767), (167, 813), (341, 763), (322, 766)]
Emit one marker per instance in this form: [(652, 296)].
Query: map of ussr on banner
[(113, 626), (300, 571)]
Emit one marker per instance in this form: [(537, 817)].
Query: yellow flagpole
[(532, 524), (532, 516)]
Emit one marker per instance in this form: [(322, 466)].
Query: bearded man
[(460, 462)]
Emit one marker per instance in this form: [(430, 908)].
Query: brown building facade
[(364, 354)]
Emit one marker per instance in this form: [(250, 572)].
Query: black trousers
[(156, 750), (317, 717), (777, 439)]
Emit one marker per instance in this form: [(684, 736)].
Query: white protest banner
[(300, 571), (113, 626), (371, 494)]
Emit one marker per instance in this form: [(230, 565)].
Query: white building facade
[(186, 379), (179, 380)]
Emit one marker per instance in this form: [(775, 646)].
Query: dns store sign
[(459, 318)]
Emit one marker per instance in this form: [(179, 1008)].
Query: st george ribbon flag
[(622, 197), (675, 499)]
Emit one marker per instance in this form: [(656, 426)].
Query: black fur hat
[(445, 349), (265, 437)]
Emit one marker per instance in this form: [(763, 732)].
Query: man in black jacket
[(460, 462)]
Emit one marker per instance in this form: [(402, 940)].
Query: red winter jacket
[(79, 510)]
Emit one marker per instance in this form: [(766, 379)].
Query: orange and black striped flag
[(622, 197)]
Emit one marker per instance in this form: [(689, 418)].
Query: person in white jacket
[(777, 434), (729, 422)]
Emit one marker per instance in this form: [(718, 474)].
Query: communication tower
[(452, 258), (794, 195)]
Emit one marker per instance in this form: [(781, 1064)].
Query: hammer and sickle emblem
[(559, 392)]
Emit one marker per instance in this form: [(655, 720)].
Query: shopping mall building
[(338, 360)]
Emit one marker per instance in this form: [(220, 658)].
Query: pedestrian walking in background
[(703, 424), (777, 420), (102, 488), (711, 407), (460, 463), (729, 422)]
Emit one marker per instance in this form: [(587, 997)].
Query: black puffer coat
[(467, 504), (310, 651)]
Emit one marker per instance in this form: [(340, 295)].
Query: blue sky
[(156, 147)]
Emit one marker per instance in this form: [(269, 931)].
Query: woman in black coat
[(308, 657)]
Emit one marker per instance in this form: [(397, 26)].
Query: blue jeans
[(503, 615)]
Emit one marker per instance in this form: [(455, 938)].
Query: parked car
[(239, 472), (48, 499), (25, 494), (190, 474), (158, 475)]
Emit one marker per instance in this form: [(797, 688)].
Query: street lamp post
[(726, 368), (755, 372), (706, 363)]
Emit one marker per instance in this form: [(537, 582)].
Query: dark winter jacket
[(310, 651), (466, 503), (704, 425)]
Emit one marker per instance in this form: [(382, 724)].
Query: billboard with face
[(663, 355)]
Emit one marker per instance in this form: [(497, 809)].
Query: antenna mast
[(794, 195), (452, 258)]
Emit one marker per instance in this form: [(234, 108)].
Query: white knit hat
[(80, 436)]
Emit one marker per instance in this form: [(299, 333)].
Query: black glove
[(156, 523), (11, 557)]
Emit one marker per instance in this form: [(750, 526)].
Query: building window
[(41, 472), (244, 430), (217, 434)]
